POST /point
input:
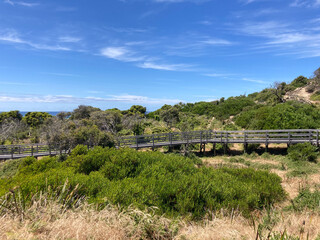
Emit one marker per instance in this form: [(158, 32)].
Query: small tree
[(278, 90)]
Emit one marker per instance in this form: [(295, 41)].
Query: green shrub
[(303, 152), (79, 150), (307, 200), (176, 185)]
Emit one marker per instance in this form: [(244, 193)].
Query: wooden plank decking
[(179, 138), (224, 137)]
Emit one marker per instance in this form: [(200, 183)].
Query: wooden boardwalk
[(265, 137), (21, 151), (223, 137)]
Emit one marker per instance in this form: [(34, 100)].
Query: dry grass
[(51, 221)]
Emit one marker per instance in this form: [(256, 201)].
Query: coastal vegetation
[(146, 194)]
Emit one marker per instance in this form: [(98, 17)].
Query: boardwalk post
[(310, 136), (37, 148), (214, 149), (137, 143), (49, 150), (289, 139), (267, 141), (11, 152), (226, 144), (32, 150), (19, 149), (245, 145), (317, 138), (152, 141), (170, 140)]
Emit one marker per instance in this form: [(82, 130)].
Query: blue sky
[(56, 55)]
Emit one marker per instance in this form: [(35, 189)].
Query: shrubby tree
[(135, 109), (63, 115), (316, 76), (170, 115), (278, 89), (135, 123), (35, 119), (83, 112), (109, 120), (12, 115), (12, 130)]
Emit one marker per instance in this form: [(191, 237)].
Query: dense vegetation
[(176, 185), (268, 109)]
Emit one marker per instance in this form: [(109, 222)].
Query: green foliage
[(307, 200), (300, 81), (315, 96), (135, 110), (12, 115), (83, 112), (9, 168), (289, 115), (176, 185), (35, 119), (92, 136), (303, 152)]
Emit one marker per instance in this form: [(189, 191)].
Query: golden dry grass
[(50, 221)]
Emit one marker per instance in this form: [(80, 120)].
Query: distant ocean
[(52, 113)]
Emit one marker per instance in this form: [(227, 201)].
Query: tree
[(170, 115), (135, 109), (278, 90), (316, 76), (12, 115), (109, 120), (83, 112), (63, 115), (35, 119)]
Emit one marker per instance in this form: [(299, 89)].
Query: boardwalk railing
[(178, 138), (36, 150), (224, 137)]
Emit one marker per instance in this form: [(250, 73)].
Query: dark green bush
[(303, 152), (176, 185)]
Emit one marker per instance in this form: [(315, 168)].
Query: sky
[(56, 55)]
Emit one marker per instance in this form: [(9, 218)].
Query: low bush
[(303, 152), (176, 185), (307, 200)]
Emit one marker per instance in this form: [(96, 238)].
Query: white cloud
[(305, 3), (125, 98), (69, 39), (254, 80), (284, 38), (25, 4), (167, 67), (13, 37), (120, 54), (214, 41)]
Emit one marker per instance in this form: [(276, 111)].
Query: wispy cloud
[(60, 74), (167, 67), (125, 54), (124, 98), (305, 3), (234, 77), (69, 39), (15, 83), (121, 53), (285, 38), (180, 1), (12, 37), (25, 4)]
